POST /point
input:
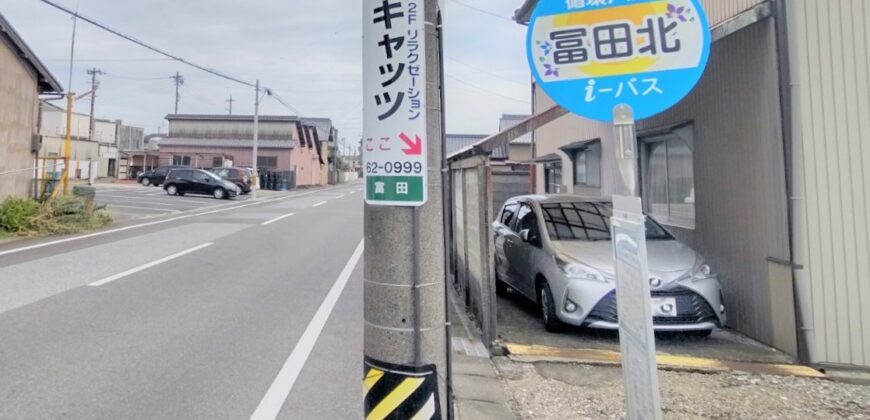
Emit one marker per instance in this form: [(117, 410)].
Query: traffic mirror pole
[(405, 321)]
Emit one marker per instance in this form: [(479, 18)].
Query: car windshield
[(588, 221), (211, 175)]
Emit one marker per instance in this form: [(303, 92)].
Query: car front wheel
[(548, 310), (219, 193), (171, 190), (146, 182)]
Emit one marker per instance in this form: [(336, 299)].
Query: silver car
[(556, 250)]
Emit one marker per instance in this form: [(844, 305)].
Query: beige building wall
[(830, 64), (518, 152), (19, 110)]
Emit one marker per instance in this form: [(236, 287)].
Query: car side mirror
[(525, 235)]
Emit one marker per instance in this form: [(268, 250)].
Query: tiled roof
[(510, 120), (228, 143)]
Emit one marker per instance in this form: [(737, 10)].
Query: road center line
[(319, 204), (277, 394), (278, 219), (119, 276)]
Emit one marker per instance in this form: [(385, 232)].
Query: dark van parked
[(197, 181), (156, 176), (238, 176)]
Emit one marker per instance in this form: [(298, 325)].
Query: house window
[(587, 165), (553, 177), (669, 177), (180, 160), (267, 162), (217, 162)]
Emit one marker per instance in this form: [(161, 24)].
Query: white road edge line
[(119, 276), (275, 397), (341, 196), (279, 218), (319, 204)]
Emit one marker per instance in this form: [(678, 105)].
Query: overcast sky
[(308, 51)]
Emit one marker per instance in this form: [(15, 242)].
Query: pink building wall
[(303, 159)]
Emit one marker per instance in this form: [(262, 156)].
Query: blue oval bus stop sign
[(591, 55)]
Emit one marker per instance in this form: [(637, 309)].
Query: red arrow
[(415, 147)]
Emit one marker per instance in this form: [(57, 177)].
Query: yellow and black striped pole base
[(400, 392)]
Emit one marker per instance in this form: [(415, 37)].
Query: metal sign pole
[(636, 336)]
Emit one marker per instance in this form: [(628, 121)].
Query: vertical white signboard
[(394, 106), (634, 309)]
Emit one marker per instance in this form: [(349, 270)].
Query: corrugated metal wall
[(741, 202), (831, 97), (720, 10)]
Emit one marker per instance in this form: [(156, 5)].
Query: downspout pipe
[(790, 106)]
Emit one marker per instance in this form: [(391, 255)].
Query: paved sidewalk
[(477, 390)]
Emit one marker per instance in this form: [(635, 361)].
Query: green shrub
[(15, 213)]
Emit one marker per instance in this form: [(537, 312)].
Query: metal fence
[(478, 187)]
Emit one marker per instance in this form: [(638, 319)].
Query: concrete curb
[(478, 393)]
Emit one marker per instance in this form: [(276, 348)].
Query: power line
[(137, 79), (486, 72), (472, 85), (486, 12), (109, 60), (144, 45)]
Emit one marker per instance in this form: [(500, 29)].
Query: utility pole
[(405, 301), (231, 100), (179, 82), (95, 84), (255, 174)]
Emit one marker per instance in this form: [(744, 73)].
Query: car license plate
[(664, 307)]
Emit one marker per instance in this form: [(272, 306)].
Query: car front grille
[(691, 308)]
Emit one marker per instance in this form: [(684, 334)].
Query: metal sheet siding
[(720, 10), (741, 202), (831, 93)]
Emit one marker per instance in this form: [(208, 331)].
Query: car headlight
[(579, 271)]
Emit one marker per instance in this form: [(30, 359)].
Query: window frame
[(666, 135), (589, 149), (550, 168)]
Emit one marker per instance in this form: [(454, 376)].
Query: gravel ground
[(560, 391)]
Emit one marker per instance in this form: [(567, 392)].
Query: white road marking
[(277, 394), (341, 196), (111, 206), (319, 204), (352, 192), (158, 222), (119, 276), (278, 219)]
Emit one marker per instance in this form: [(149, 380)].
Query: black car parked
[(238, 176), (197, 181), (156, 176)]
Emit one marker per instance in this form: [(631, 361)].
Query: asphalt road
[(135, 202), (224, 311)]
